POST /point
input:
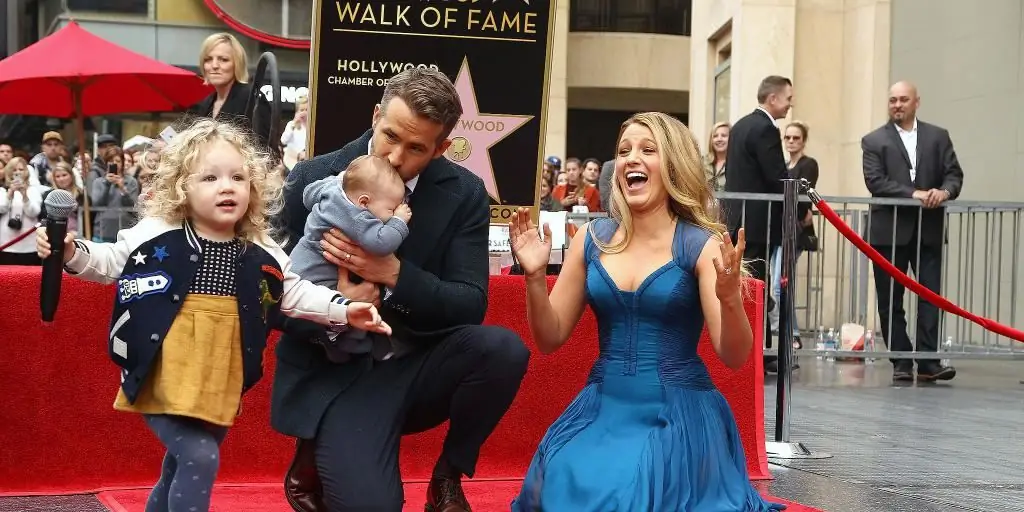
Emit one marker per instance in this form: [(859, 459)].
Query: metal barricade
[(835, 287)]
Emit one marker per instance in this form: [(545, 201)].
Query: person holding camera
[(114, 197), (20, 204)]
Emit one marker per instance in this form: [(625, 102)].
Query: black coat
[(442, 283), (887, 174), (755, 165), (233, 111)]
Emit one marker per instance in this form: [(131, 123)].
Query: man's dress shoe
[(445, 495), (302, 483)]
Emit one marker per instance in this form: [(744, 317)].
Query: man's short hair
[(429, 93), (771, 85)]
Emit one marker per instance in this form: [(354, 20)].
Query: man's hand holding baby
[(403, 212), (339, 250)]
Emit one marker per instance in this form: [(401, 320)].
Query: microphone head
[(59, 204)]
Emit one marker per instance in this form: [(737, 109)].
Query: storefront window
[(110, 6), (300, 19), (283, 23), (642, 16), (722, 97)]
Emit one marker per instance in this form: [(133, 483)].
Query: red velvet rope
[(17, 239), (914, 286)]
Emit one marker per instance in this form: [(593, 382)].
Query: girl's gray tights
[(190, 465)]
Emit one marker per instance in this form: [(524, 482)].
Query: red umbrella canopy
[(45, 78)]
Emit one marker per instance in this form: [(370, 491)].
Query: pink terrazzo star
[(476, 133)]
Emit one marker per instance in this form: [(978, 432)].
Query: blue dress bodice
[(650, 333)]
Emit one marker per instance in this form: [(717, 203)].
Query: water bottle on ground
[(831, 343), (819, 342), (947, 347), (869, 346)]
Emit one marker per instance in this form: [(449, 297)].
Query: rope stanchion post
[(782, 447)]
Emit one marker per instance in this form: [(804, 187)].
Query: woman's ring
[(728, 271), (348, 256)]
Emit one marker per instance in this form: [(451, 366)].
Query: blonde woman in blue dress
[(649, 431)]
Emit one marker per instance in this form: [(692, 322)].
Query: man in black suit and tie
[(349, 417), (908, 158), (757, 165)]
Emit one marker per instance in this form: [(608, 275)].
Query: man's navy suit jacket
[(441, 286)]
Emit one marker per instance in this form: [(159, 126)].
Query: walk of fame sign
[(497, 52)]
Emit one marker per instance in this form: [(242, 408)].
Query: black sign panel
[(497, 53)]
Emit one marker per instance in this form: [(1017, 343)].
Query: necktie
[(408, 194)]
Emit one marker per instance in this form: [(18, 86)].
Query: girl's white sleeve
[(303, 299), (102, 262)]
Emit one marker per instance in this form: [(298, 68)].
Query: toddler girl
[(200, 283)]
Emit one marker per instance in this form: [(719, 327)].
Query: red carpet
[(60, 434), (485, 496)]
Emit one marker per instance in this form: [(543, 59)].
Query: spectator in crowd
[(63, 178), (909, 158), (146, 176), (6, 153), (553, 167), (547, 203), (604, 184), (21, 203), (98, 169), (800, 166), (576, 191), (116, 193), (225, 66), (714, 159), (293, 137), (757, 165), (45, 160), (591, 171)]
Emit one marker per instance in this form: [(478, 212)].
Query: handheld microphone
[(59, 205)]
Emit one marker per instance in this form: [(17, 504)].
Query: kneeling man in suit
[(349, 417)]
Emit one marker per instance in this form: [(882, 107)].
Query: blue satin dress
[(649, 431)]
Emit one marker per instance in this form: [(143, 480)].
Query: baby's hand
[(363, 315), (403, 212)]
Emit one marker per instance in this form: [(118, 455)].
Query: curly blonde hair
[(690, 196), (179, 164)]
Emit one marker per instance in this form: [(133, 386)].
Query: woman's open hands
[(532, 252), (727, 287)]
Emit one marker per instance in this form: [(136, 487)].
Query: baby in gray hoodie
[(366, 202)]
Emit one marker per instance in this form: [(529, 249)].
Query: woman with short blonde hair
[(224, 65)]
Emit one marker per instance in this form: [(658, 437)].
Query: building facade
[(967, 62), (700, 60), (610, 58)]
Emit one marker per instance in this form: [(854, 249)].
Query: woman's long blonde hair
[(179, 163), (12, 165), (690, 196), (682, 174)]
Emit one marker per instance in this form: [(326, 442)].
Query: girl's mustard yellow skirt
[(198, 371)]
